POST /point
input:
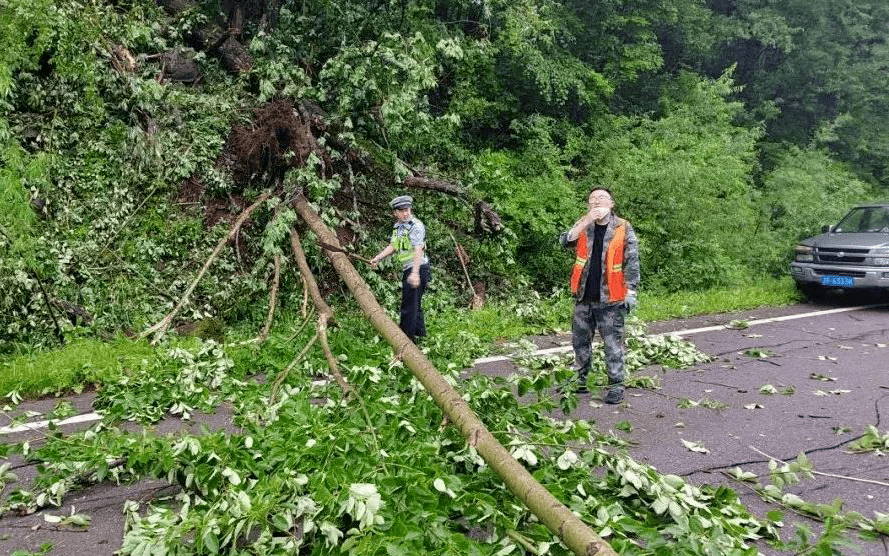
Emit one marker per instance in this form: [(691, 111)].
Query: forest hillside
[(134, 133)]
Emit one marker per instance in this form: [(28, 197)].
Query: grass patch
[(534, 314), (765, 293), (489, 325), (81, 362)]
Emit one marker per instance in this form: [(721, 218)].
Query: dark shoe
[(615, 395)]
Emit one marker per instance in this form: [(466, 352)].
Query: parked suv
[(852, 254)]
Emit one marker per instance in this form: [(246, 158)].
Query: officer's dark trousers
[(412, 322)]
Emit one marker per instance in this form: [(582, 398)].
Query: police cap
[(401, 202)]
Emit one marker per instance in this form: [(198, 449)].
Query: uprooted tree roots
[(277, 140)]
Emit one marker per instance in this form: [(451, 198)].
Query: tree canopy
[(134, 132)]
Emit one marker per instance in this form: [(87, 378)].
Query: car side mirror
[(826, 229)]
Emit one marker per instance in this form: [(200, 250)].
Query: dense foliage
[(308, 473), (305, 470), (721, 127)]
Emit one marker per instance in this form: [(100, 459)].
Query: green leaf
[(282, 521), (211, 541), (393, 549), (695, 446)]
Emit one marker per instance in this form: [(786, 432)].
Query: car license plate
[(838, 281)]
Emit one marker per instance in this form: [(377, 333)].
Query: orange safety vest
[(614, 263)]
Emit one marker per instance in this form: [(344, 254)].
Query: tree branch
[(325, 313), (59, 335), (477, 302), (273, 296), (813, 472), (273, 392), (161, 327), (419, 182), (309, 278)]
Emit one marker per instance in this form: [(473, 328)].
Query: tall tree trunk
[(552, 513)]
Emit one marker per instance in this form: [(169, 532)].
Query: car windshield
[(864, 219)]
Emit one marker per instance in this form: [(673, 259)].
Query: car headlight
[(804, 253), (881, 256)]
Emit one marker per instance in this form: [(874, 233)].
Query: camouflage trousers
[(609, 319)]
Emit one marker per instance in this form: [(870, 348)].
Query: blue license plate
[(838, 281)]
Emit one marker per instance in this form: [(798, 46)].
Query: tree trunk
[(486, 220), (419, 182), (555, 515)]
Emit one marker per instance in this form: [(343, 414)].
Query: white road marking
[(85, 418), (563, 349), (774, 319)]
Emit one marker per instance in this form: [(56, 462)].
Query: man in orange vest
[(604, 281)]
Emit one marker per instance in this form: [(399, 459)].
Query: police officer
[(408, 244), (604, 281)]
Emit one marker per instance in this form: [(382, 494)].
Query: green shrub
[(803, 192), (683, 181)]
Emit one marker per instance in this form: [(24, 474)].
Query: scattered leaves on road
[(695, 446)]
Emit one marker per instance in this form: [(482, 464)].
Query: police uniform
[(606, 274), (405, 237)]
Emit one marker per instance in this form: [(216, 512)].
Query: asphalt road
[(833, 338), (828, 362)]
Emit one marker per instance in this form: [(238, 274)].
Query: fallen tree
[(556, 516)]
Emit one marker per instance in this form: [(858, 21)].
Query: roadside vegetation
[(462, 333), (393, 479), (390, 479)]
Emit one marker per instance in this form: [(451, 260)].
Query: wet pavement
[(829, 368)]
